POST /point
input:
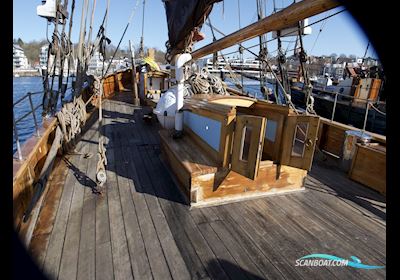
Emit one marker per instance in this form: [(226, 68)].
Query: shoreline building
[(95, 65), (20, 61), (43, 56), (43, 62)]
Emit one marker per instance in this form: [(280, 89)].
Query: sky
[(340, 34)]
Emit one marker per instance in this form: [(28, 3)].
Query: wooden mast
[(287, 17)]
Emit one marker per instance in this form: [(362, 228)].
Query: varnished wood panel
[(369, 167)]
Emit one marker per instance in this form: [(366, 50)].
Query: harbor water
[(21, 86)]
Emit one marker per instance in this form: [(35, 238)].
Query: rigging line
[(240, 48), (55, 40), (69, 38), (311, 24), (122, 37), (62, 50), (270, 40), (238, 2), (141, 49), (88, 52), (211, 28), (233, 75), (105, 20), (319, 33), (365, 54), (376, 109), (144, 5), (289, 43), (100, 33), (79, 70), (289, 102)]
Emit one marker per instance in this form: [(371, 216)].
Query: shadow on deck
[(141, 227)]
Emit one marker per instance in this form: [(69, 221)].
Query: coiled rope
[(204, 83), (101, 176), (71, 117)]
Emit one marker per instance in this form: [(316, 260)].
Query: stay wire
[(122, 37)]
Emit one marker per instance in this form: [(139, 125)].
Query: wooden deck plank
[(197, 240), (166, 189), (137, 252), (158, 264), (69, 257), (141, 227), (241, 237), (206, 219), (329, 238), (54, 252), (44, 226), (226, 260), (119, 244), (87, 245), (347, 228), (282, 238), (308, 239), (104, 268), (172, 255), (238, 249), (276, 255), (353, 194), (184, 244), (333, 203)]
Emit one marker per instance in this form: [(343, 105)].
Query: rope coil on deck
[(204, 83)]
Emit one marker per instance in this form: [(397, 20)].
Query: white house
[(43, 56), (19, 59), (96, 64)]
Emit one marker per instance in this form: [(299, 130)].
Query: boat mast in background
[(261, 6)]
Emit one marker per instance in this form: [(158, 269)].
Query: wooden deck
[(140, 226)]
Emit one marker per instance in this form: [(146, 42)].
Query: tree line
[(32, 51)]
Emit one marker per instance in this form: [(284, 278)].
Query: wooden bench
[(186, 159), (206, 183)]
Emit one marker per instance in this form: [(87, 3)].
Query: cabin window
[(245, 143), (299, 139), (270, 131)]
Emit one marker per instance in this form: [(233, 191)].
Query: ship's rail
[(369, 104), (32, 111), (16, 121)]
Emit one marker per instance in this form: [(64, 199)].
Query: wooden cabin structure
[(236, 148)]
